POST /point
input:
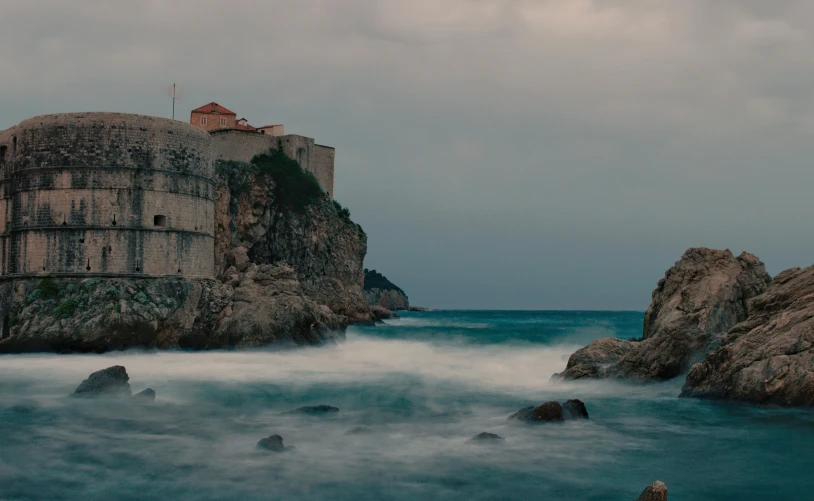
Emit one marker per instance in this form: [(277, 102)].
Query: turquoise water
[(422, 385)]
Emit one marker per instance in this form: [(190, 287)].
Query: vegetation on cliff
[(375, 280)]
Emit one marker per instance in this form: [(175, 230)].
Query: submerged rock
[(314, 410), (549, 411), (702, 296), (769, 358), (656, 491), (148, 394), (523, 414), (487, 437), (112, 381), (574, 409), (273, 443), (359, 430)]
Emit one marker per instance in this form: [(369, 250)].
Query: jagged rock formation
[(110, 382), (656, 491), (769, 358), (699, 298), (284, 275), (379, 291)]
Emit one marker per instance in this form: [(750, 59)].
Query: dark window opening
[(114, 219), (3, 150), (81, 240), (88, 268), (137, 266), (160, 220), (13, 146), (6, 327)]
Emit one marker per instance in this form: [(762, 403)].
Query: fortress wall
[(121, 252), (58, 209), (85, 189), (117, 140), (242, 146), (322, 165)]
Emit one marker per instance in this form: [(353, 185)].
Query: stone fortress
[(123, 195)]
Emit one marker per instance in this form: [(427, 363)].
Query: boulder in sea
[(315, 410), (146, 395), (381, 313), (487, 437), (273, 443), (112, 381), (702, 296), (523, 414), (549, 411), (656, 491), (767, 359), (574, 409)]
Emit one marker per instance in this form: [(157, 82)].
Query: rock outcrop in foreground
[(769, 358), (287, 272), (702, 296), (656, 491)]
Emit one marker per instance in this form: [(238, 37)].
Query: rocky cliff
[(702, 296), (289, 264), (769, 358), (379, 291)]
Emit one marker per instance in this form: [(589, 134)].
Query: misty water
[(421, 387)]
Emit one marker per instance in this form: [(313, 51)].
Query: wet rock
[(574, 409), (112, 381), (147, 395), (523, 414), (657, 491), (594, 360), (315, 410), (549, 411), (380, 313), (702, 296), (769, 358), (273, 443), (487, 437), (379, 291)]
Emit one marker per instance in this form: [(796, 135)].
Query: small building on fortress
[(235, 139), (123, 195)]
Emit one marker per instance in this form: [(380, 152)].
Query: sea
[(413, 391)]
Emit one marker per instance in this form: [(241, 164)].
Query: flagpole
[(173, 101)]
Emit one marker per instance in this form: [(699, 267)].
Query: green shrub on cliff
[(294, 188), (375, 280)]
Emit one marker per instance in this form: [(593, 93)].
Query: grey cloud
[(500, 153)]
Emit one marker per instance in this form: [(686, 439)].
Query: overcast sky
[(538, 154)]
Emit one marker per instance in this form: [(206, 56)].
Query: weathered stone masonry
[(106, 194), (242, 146)]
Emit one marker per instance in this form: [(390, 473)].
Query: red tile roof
[(214, 107), (244, 127)]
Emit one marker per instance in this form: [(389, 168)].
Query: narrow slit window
[(159, 220)]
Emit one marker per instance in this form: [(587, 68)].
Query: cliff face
[(288, 272), (379, 291), (700, 298), (322, 245)]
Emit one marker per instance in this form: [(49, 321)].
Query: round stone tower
[(106, 194)]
